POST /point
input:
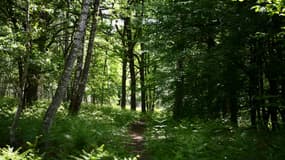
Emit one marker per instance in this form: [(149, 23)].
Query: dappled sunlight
[(142, 80)]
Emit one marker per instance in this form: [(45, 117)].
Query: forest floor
[(137, 146), (111, 133)]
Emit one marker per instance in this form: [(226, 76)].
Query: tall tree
[(131, 59), (124, 68), (129, 41), (78, 89), (66, 74), (141, 59), (23, 66)]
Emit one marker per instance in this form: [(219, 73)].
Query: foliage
[(98, 154), (7, 106), (101, 132), (211, 60), (94, 127), (272, 7), (208, 140), (8, 153)]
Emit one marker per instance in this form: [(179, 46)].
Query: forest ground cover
[(103, 133)]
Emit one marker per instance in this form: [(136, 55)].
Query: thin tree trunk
[(142, 80), (261, 113), (103, 84), (73, 110), (65, 77), (66, 32), (4, 87), (272, 76), (282, 111), (253, 88), (133, 81), (142, 63), (124, 79), (66, 47), (273, 108), (179, 92), (148, 86), (131, 59), (32, 86), (77, 97), (231, 89), (23, 66), (75, 84)]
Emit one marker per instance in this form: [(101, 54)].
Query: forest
[(142, 79)]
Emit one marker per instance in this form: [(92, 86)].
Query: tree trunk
[(234, 110), (142, 63), (231, 87), (133, 82), (272, 75), (4, 87), (272, 110), (253, 86), (73, 108), (77, 96), (253, 82), (142, 80), (124, 79), (149, 85), (179, 92), (282, 110), (65, 77), (66, 32), (131, 59), (23, 66), (104, 83), (32, 85)]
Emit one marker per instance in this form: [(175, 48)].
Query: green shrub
[(7, 106)]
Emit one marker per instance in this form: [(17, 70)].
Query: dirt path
[(136, 132)]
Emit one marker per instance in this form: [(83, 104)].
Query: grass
[(102, 133)]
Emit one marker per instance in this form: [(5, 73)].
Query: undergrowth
[(70, 136), (210, 140), (102, 133)]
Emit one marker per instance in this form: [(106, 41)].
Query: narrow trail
[(136, 132)]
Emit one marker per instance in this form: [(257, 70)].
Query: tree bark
[(142, 80), (32, 86), (133, 81), (272, 110), (179, 92), (78, 94), (73, 108), (253, 81), (105, 73), (23, 66), (130, 55), (124, 79), (66, 74), (142, 63)]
